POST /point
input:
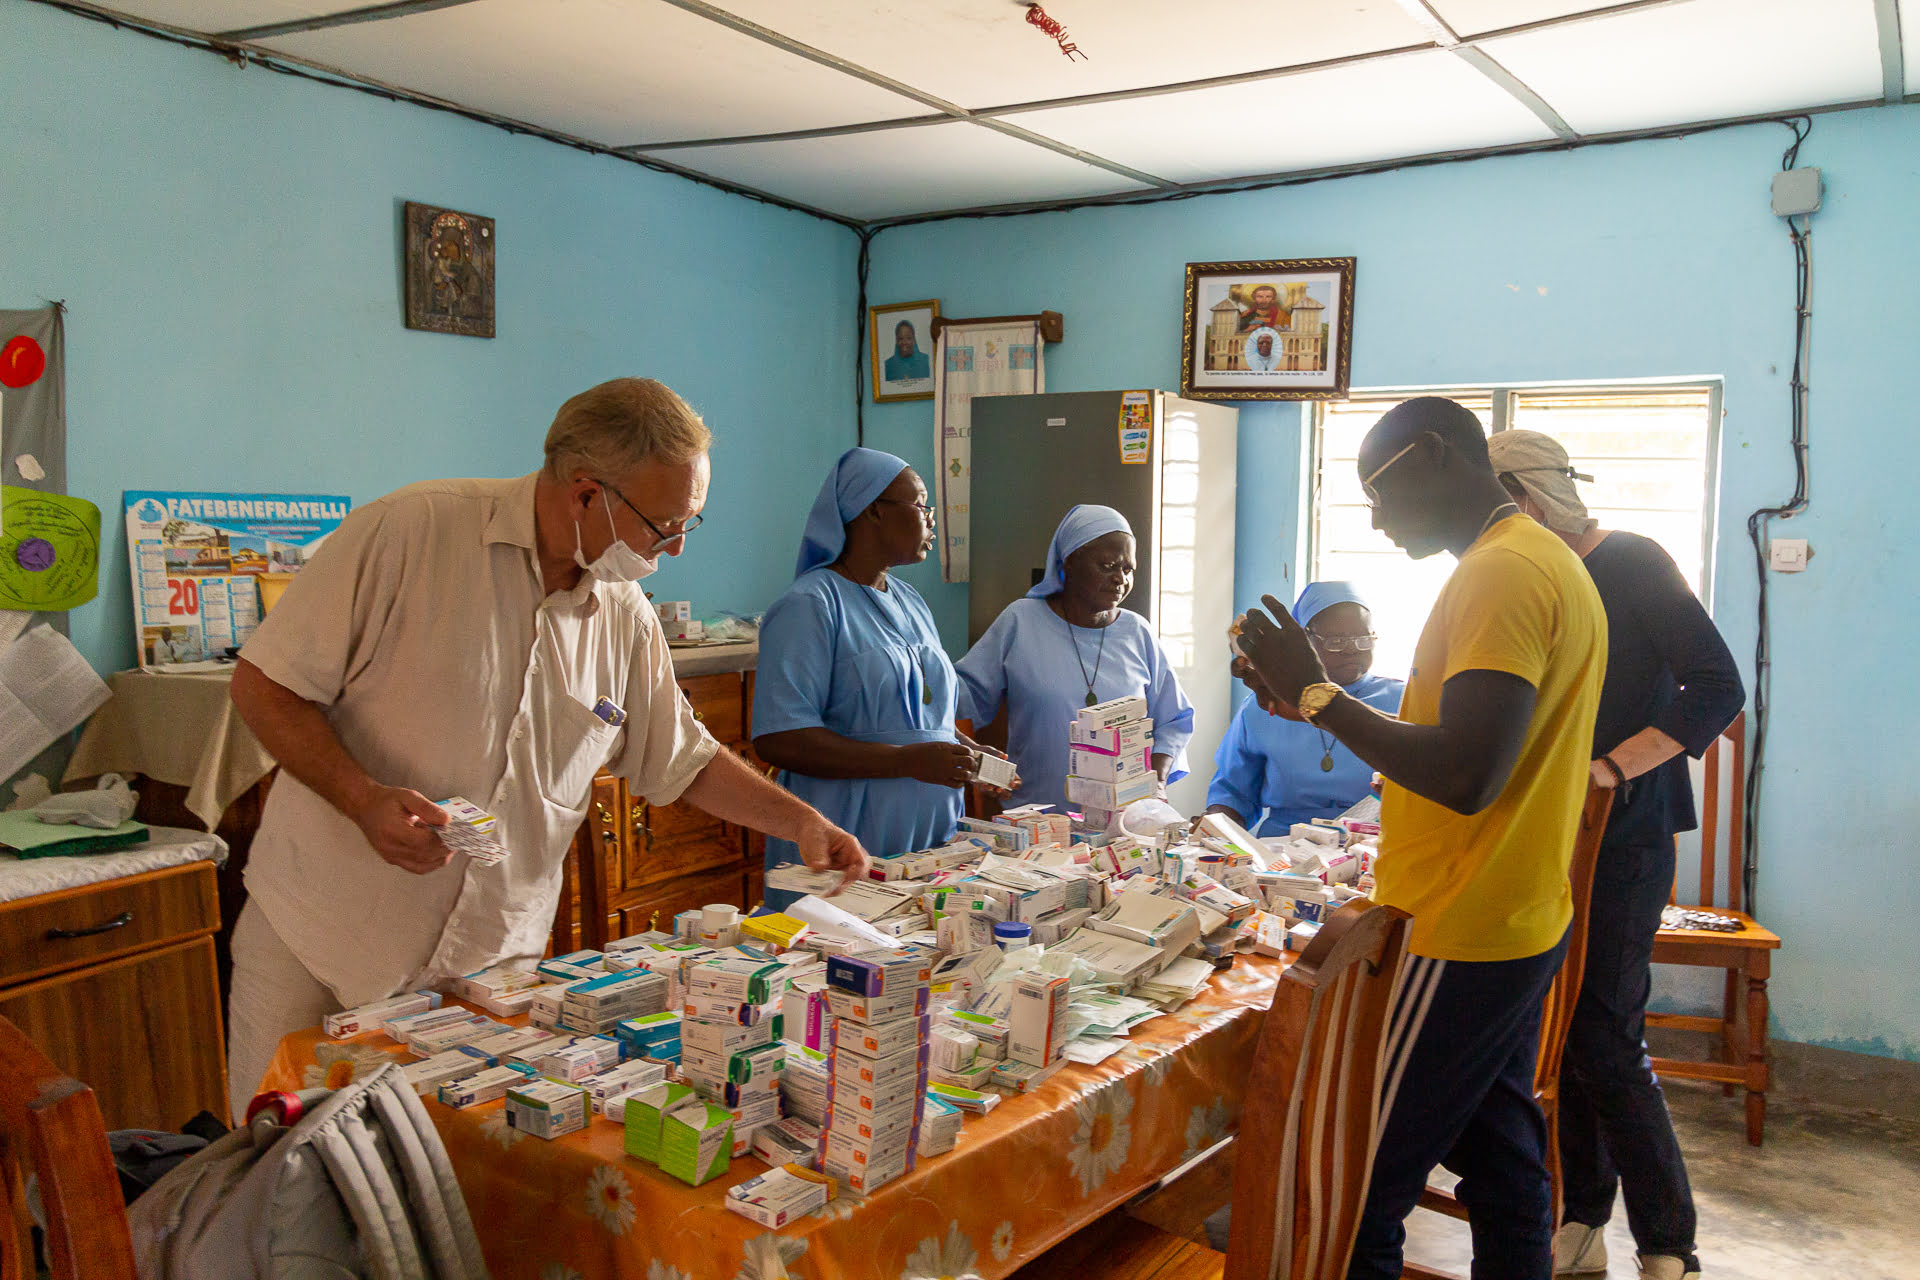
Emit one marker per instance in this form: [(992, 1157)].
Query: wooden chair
[(1305, 1149), (1746, 956), (51, 1123), (1556, 1012)]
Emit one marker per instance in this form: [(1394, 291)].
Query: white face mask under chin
[(619, 562)]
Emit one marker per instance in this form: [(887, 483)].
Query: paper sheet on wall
[(46, 690), (974, 360)]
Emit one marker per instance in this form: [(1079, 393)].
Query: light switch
[(1789, 555)]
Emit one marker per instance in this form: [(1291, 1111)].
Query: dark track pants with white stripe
[(1464, 1099)]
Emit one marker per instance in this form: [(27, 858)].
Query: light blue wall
[(226, 241), (1632, 261)]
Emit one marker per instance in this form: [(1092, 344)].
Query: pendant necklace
[(1099, 654), (1326, 746)]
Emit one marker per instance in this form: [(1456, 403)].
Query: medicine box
[(1101, 767), (1037, 1022), (674, 610), (978, 1076), (485, 987), (627, 1077), (374, 1017), (547, 1108), (645, 1036), (490, 1085), (994, 771), (877, 973), (409, 1031), (990, 1032), (1111, 795), (427, 1075), (726, 1038), (880, 1039), (587, 1056), (776, 927), (781, 1195), (740, 980), (646, 1111), (562, 964), (908, 1003), (1112, 739), (705, 1007), (472, 831), (761, 1067), (779, 1144), (939, 1129), (454, 1035), (865, 1178), (696, 1142), (971, 1100), (806, 1016), (1111, 713)]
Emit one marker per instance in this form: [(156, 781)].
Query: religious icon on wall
[(449, 270), (1273, 330), (900, 342)]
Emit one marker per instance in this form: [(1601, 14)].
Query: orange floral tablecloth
[(1022, 1178)]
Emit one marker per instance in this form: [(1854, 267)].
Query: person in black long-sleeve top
[(1671, 688)]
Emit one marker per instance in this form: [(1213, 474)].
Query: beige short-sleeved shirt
[(423, 628)]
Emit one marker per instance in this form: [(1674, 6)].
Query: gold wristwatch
[(1315, 697)]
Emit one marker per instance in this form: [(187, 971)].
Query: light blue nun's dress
[(1038, 665), (1267, 762), (864, 664)]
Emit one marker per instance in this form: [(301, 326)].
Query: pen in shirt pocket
[(607, 711)]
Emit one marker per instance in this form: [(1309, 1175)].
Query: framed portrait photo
[(900, 338), (1274, 330)]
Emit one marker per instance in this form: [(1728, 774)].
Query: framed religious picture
[(1275, 330), (900, 338), (449, 270)]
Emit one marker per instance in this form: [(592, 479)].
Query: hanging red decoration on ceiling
[(1038, 17)]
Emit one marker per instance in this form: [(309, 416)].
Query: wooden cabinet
[(634, 863), (115, 983)]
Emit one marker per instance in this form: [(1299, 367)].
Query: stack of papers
[(1116, 960), (1178, 983)]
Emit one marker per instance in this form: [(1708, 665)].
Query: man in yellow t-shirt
[(1487, 769)]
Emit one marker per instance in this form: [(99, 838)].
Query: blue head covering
[(860, 476), (1083, 524), (1321, 596)]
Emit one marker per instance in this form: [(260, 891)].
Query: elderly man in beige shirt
[(483, 639)]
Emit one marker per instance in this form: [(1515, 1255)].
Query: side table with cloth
[(189, 755), (1024, 1177)]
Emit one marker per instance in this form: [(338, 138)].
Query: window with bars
[(1649, 449)]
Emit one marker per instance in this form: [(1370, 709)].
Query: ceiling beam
[(766, 35), (1428, 17), (1893, 70), (346, 18)]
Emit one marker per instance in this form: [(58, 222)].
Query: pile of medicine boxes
[(877, 1065), (1110, 759)]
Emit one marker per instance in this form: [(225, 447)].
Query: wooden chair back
[(50, 1122), (1307, 1135), (1734, 739)]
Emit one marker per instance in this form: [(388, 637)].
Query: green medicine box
[(646, 1111)]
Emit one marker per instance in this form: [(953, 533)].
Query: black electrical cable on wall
[(1759, 523), (860, 339)]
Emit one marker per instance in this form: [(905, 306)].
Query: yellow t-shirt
[(1493, 886)]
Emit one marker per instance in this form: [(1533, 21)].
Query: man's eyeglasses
[(1344, 644), (686, 527), (927, 509), (1366, 483)]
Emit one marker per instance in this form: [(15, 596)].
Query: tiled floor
[(1833, 1195)]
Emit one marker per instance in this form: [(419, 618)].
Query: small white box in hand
[(473, 831), (994, 771)]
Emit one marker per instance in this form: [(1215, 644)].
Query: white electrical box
[(1789, 555)]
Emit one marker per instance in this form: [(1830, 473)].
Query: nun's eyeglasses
[(927, 509), (1344, 644)]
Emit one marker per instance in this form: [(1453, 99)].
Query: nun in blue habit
[(1289, 769), (1067, 645), (854, 697)]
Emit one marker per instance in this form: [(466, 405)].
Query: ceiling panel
[(617, 72), (1705, 60), (211, 16), (898, 171), (1910, 38), (1468, 17), (981, 53), (1409, 105)]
